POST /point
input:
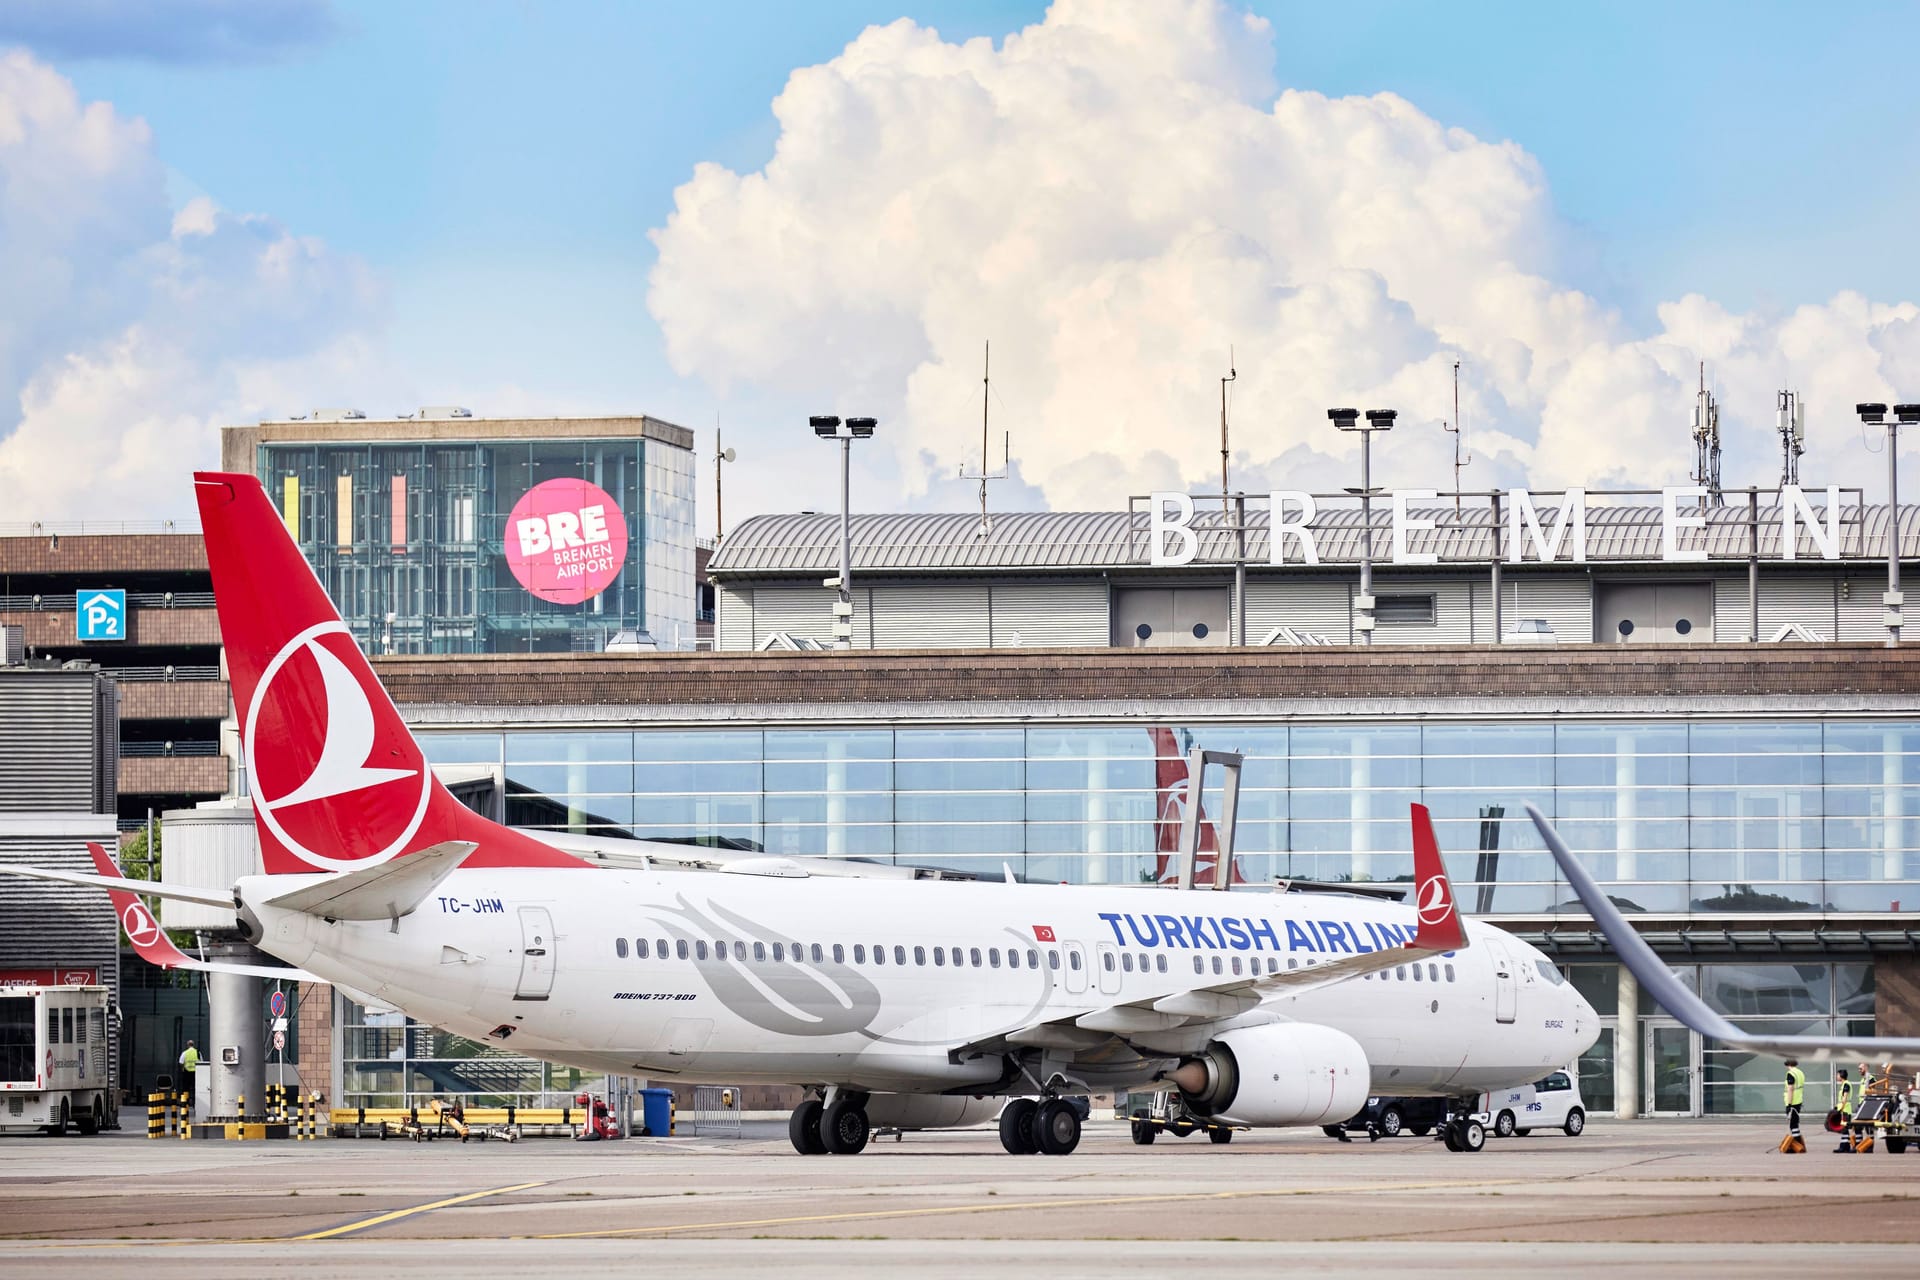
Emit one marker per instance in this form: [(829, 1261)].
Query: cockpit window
[(1549, 972)]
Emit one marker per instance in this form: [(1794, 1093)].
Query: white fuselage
[(855, 982)]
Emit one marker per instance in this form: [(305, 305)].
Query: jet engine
[(931, 1111), (1282, 1073)]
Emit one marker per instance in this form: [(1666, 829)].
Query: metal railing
[(66, 602), (716, 1110), (94, 528), (169, 749), (167, 675)]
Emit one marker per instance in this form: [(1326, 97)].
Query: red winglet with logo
[(338, 782), (1439, 914), (143, 931)]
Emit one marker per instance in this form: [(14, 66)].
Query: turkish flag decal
[(1043, 933)]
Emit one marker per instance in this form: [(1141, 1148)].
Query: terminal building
[(1755, 803)]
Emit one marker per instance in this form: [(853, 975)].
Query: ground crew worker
[(1843, 1103), (190, 1063), (1795, 1093)]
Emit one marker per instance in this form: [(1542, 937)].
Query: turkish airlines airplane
[(903, 1003)]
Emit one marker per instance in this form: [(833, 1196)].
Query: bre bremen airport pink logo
[(566, 541)]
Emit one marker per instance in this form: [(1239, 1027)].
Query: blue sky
[(497, 166)]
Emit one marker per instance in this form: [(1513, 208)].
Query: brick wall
[(1428, 671), (173, 699), (172, 775), (121, 553), (48, 629)]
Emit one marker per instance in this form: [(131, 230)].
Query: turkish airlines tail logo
[(338, 782), (149, 941), (1439, 917), (1173, 790)]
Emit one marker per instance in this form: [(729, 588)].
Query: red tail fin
[(1439, 915), (338, 782), (143, 931)]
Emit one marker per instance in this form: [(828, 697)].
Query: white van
[(1550, 1103)]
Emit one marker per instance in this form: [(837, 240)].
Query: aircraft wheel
[(843, 1127), (1219, 1137), (1450, 1134), (1503, 1126), (1420, 1130), (1017, 1134), (1576, 1122), (1469, 1135), (803, 1129), (1521, 1133), (1144, 1133), (1057, 1126)]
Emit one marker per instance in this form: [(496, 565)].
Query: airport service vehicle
[(1553, 1102), (1166, 1112), (1393, 1117), (53, 1060), (913, 1004)]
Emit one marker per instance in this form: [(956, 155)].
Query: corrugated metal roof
[(1058, 540)]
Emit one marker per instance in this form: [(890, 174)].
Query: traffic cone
[(1793, 1145)]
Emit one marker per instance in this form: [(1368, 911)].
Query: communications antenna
[(1006, 444), (1459, 460), (1706, 441), (1792, 425), (1232, 374)]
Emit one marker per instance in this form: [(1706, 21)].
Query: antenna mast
[(986, 395), (1459, 460), (1706, 441), (1232, 374), (1792, 420)]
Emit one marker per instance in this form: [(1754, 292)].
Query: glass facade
[(410, 540), (1680, 817)]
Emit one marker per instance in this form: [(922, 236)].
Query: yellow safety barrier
[(183, 1100), (159, 1113)]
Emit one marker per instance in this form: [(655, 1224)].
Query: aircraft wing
[(1438, 931), (1661, 983), (179, 893), (153, 945)]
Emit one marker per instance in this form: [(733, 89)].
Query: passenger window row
[(801, 953), (973, 957)]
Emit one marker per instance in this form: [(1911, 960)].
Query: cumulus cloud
[(1119, 193), (131, 331), (179, 31)]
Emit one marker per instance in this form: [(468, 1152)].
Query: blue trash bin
[(656, 1111)]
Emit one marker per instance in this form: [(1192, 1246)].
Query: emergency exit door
[(536, 954)]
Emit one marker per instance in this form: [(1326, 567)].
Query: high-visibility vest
[(1845, 1103), (1796, 1086), (190, 1060)]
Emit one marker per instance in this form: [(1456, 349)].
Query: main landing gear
[(1047, 1127), (839, 1128)]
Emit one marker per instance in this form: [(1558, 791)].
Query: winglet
[(1672, 995), (149, 940), (1433, 901)]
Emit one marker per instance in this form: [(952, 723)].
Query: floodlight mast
[(830, 427), (1377, 420), (1903, 415)]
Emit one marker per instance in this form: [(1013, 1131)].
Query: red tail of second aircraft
[(338, 782)]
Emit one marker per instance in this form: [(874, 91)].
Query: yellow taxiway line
[(380, 1219)]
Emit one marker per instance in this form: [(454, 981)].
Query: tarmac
[(1700, 1198)]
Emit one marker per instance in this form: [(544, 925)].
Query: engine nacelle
[(931, 1111), (1280, 1074)]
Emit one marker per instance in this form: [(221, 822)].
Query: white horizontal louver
[(801, 612), (1730, 616), (733, 619), (1860, 612), (48, 756), (1044, 614), (1565, 602), (1318, 605), (1806, 600), (938, 615)]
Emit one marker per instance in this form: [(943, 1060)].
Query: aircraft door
[(536, 954), (1076, 971), (1503, 984), (1106, 964)]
